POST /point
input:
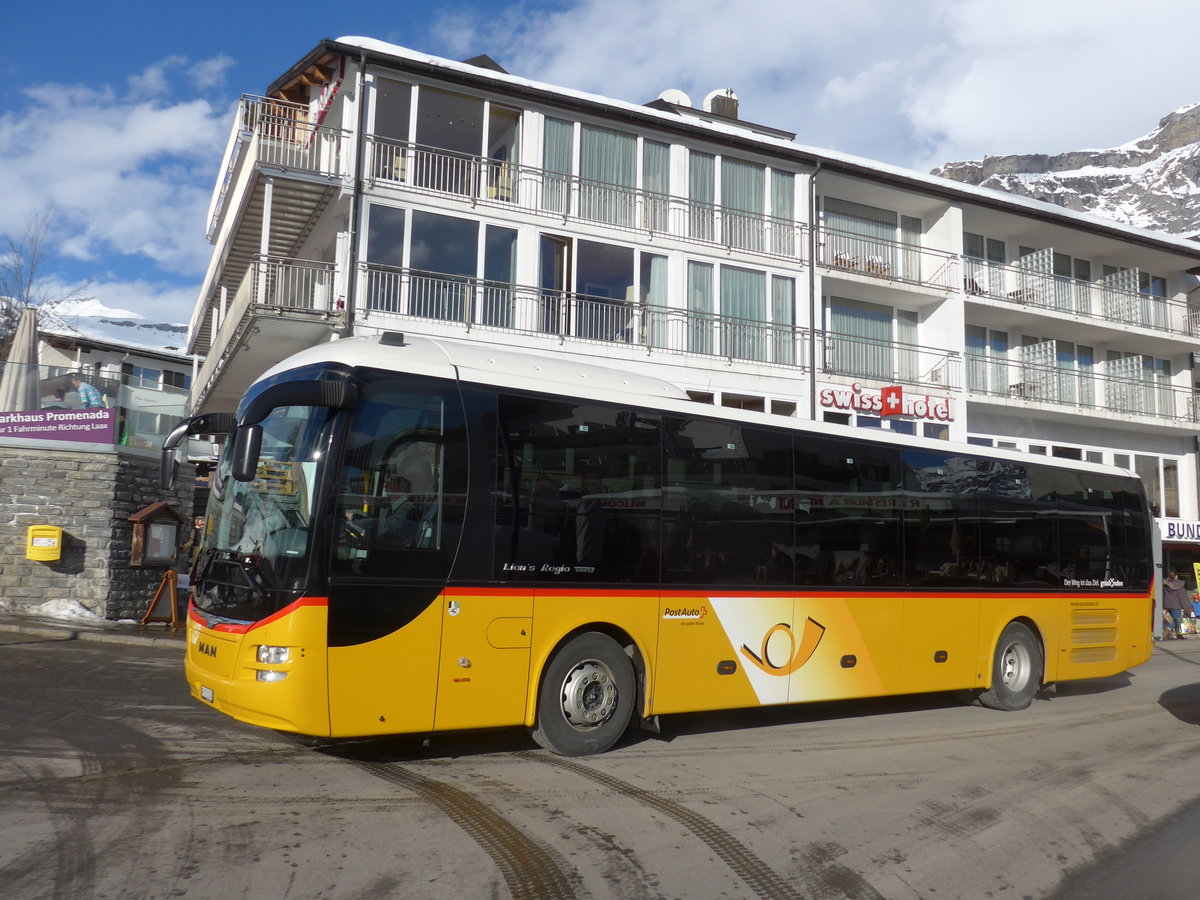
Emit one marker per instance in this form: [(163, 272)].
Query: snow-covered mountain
[(1152, 182)]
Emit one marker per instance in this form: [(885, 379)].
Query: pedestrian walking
[(89, 396), (1175, 601)]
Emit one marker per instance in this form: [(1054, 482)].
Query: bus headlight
[(269, 675), (273, 655)]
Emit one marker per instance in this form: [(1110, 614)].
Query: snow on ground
[(62, 611)]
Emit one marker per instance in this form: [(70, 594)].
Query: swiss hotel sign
[(885, 402)]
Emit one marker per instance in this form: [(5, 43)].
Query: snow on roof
[(732, 129), (90, 320)]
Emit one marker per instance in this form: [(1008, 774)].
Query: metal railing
[(884, 259), (477, 303), (891, 361), (277, 133), (297, 284), (488, 181), (1083, 389), (1041, 290)]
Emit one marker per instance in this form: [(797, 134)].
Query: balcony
[(296, 296), (885, 260), (481, 181), (471, 304), (1089, 391), (893, 362), (274, 134), (1075, 297), (279, 173)]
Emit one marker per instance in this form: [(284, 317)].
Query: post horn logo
[(798, 654)]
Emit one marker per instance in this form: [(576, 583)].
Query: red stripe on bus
[(230, 628), (720, 591)]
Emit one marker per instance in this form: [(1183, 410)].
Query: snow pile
[(61, 611)]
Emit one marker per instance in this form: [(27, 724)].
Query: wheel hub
[(589, 695)]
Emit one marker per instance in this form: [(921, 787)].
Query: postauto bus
[(408, 535)]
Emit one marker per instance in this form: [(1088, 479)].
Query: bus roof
[(527, 371)]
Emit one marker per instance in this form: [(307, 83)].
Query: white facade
[(376, 188)]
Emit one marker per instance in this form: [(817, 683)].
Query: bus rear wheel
[(587, 695), (1017, 669)]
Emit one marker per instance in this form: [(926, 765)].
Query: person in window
[(89, 396), (59, 401), (1175, 601), (400, 514)]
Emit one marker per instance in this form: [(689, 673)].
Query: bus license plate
[(206, 694)]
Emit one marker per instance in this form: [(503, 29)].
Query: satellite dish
[(677, 97)]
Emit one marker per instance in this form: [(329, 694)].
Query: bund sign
[(888, 401)]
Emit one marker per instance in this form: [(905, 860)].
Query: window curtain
[(654, 299), (860, 341), (743, 312), (556, 160), (783, 213), (908, 361), (702, 194), (656, 183), (783, 320), (700, 307), (608, 166), (742, 199), (860, 236)]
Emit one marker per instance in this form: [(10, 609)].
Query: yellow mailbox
[(44, 543)]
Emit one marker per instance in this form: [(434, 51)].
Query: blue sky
[(115, 115)]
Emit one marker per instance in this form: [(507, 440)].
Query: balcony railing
[(1013, 284), (489, 181), (884, 259), (479, 304), (276, 133), (891, 361), (287, 284), (1087, 390)]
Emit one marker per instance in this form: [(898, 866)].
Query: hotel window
[(656, 183), (861, 238), (985, 258), (1056, 371), (987, 360), (608, 172), (743, 187), (702, 194), (587, 288), (451, 133), (872, 341), (747, 327)]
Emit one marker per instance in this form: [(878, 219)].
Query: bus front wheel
[(587, 696), (1017, 668)]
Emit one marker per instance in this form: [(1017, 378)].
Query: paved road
[(114, 784)]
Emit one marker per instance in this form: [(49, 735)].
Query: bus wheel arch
[(588, 693), (1018, 667)]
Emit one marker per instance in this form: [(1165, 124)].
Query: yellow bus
[(410, 535)]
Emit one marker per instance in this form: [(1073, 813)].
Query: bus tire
[(1017, 669), (587, 696)]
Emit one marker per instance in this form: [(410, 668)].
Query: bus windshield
[(257, 534)]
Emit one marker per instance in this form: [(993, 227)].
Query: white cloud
[(127, 177), (915, 83)]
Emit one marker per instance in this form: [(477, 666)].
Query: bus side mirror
[(246, 447)]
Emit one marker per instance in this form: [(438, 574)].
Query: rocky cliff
[(1153, 182)]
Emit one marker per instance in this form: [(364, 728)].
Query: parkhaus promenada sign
[(888, 401)]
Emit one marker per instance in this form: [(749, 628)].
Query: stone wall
[(90, 493)]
